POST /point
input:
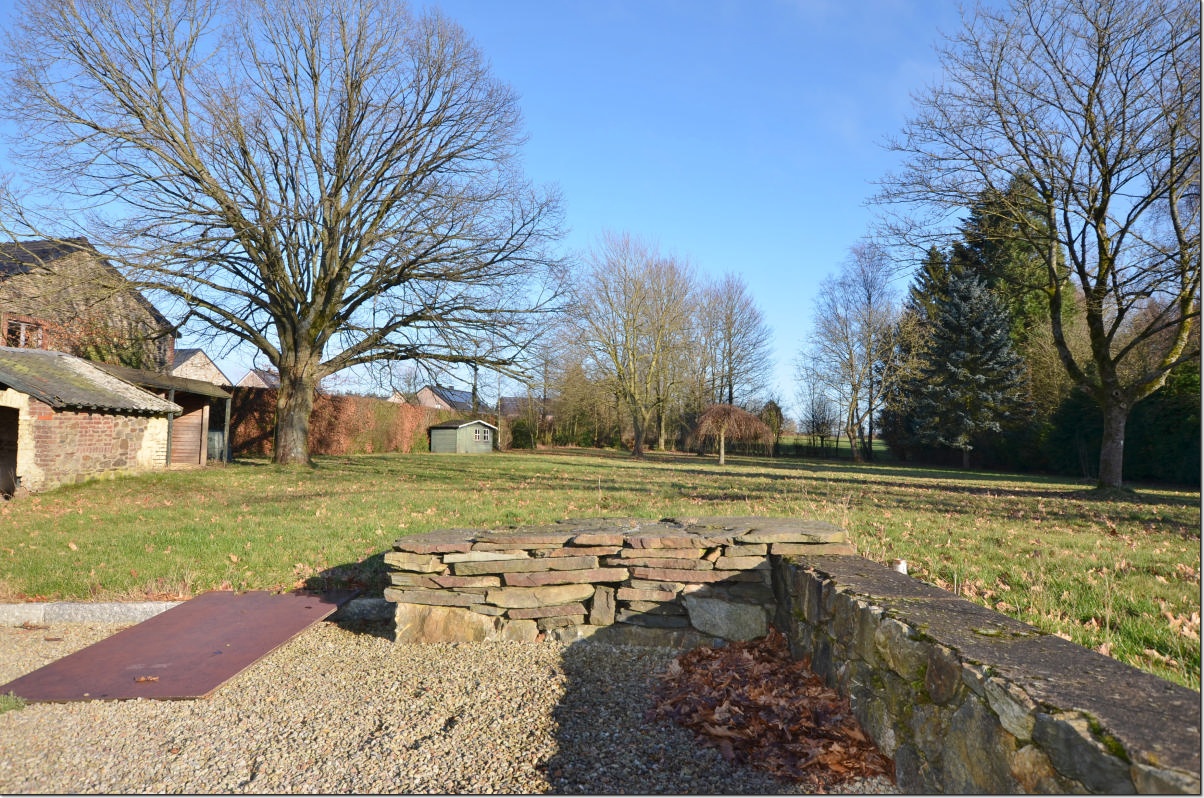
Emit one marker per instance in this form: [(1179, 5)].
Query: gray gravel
[(342, 710)]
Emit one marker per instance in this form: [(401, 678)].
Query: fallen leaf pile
[(760, 707)]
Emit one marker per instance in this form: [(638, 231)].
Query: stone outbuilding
[(64, 420), (200, 431), (462, 437)]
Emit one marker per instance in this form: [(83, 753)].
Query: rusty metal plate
[(185, 652)]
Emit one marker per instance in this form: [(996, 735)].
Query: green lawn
[(1119, 575)]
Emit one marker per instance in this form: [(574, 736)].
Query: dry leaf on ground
[(758, 706)]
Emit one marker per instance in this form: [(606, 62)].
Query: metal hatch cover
[(186, 652)]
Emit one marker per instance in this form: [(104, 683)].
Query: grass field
[(1120, 575)]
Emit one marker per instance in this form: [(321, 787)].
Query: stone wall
[(625, 580), (964, 699), (60, 447), (967, 700)]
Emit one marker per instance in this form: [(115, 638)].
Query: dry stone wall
[(967, 700), (666, 582), (964, 699)]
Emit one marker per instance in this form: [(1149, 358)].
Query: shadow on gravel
[(386, 630), (606, 744)]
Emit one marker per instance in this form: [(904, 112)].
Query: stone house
[(65, 420), (194, 364), (62, 294), (260, 378)]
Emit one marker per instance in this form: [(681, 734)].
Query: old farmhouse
[(86, 377), (63, 295)]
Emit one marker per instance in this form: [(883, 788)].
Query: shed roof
[(155, 379), (64, 381), (459, 424)]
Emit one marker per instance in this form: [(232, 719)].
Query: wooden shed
[(462, 437)]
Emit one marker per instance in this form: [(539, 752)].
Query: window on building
[(23, 334), (481, 435)]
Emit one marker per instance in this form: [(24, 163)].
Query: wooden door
[(190, 431)]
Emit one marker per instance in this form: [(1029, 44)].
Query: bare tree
[(334, 184), (737, 340), (1097, 102), (631, 310), (855, 320), (819, 420)]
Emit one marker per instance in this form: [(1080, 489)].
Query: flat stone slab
[(441, 542)]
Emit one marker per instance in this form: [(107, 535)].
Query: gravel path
[(339, 710)]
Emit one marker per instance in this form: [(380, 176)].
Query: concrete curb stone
[(123, 612)]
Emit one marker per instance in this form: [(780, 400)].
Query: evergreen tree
[(931, 283), (970, 379), (999, 243)]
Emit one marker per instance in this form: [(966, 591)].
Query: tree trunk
[(637, 423), (965, 459), (294, 405), (722, 446), (1112, 447)]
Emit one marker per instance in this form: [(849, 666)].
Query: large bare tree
[(737, 341), (632, 310), (1097, 102), (333, 183), (856, 315)]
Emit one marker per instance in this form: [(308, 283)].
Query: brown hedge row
[(339, 424)]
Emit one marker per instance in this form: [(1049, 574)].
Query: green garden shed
[(462, 437)]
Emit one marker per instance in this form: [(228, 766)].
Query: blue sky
[(742, 136)]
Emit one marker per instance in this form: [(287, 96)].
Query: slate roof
[(63, 381), (154, 379), (181, 357), (20, 257)]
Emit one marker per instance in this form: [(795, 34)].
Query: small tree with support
[(724, 421)]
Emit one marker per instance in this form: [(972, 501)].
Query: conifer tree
[(971, 379)]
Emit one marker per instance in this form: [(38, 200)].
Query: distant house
[(194, 364), (260, 378), (461, 437), (441, 398), (62, 294), (65, 420)]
